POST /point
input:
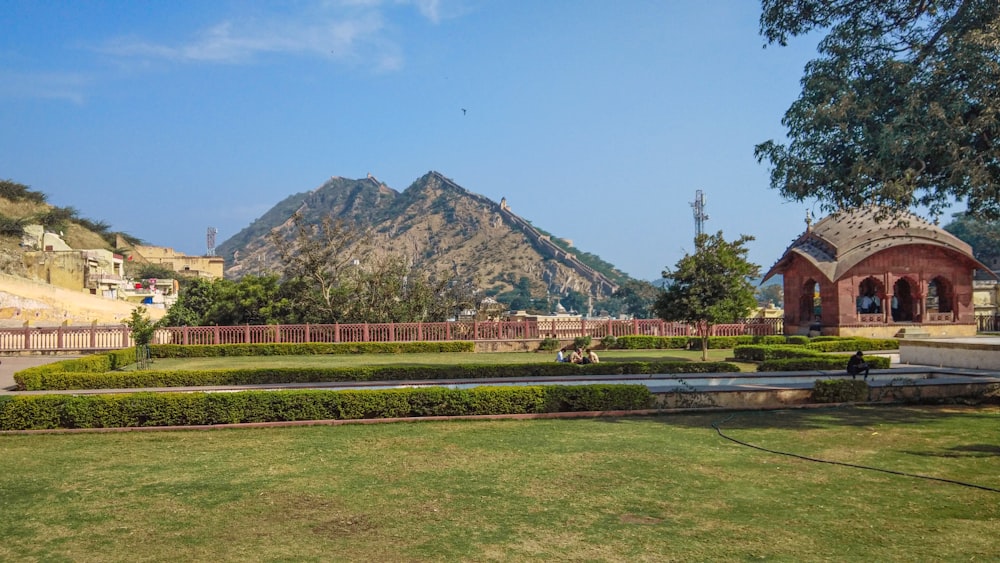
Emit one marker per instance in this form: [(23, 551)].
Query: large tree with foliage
[(709, 287), (983, 236), (901, 108), (318, 259)]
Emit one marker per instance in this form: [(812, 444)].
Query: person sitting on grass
[(591, 357), (576, 357), (560, 357), (856, 365)]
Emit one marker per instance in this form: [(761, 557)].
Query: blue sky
[(597, 121)]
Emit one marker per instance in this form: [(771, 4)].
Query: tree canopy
[(710, 286), (900, 109), (982, 236)]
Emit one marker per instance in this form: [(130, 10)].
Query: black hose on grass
[(716, 424)]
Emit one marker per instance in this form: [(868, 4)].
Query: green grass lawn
[(450, 358), (626, 489)]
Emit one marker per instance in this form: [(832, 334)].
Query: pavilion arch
[(904, 304), (809, 301), (871, 294), (940, 296)]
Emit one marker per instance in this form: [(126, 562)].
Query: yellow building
[(209, 267)]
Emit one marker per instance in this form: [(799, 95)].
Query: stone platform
[(963, 353)]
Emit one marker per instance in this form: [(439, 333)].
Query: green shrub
[(609, 342), (636, 342), (820, 362), (759, 353), (549, 344), (27, 412), (582, 342), (798, 339), (825, 338), (853, 344), (311, 348), (265, 376), (840, 391)]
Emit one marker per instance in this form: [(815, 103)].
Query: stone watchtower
[(851, 275)]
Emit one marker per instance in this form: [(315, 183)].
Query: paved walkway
[(9, 365)]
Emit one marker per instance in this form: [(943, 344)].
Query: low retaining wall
[(966, 353)]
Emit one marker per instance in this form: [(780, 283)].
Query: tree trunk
[(703, 328)]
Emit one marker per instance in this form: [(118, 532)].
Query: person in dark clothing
[(856, 365)]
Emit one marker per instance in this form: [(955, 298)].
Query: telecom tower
[(210, 240), (699, 213)]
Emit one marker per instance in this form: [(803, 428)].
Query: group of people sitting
[(868, 304), (578, 356)]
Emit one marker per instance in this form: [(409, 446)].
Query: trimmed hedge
[(312, 348), (840, 391), (39, 380), (118, 359), (760, 353), (692, 342), (853, 344), (651, 342), (820, 363), (185, 409)]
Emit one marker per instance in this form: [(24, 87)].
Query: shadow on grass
[(972, 450), (824, 417)]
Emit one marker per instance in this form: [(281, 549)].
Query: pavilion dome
[(842, 240)]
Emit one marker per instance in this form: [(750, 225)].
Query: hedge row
[(853, 344), (40, 380), (312, 348), (819, 363), (692, 342), (185, 409), (117, 359), (760, 353)]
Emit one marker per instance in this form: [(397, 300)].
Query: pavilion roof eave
[(781, 265)]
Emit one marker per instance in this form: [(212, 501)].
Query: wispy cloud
[(351, 31), (65, 86)]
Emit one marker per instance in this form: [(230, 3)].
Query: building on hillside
[(209, 267), (95, 271), (851, 275)]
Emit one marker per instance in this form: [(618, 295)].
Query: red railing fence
[(108, 337)]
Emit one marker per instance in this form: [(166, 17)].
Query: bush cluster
[(185, 409), (691, 342), (549, 344), (853, 344), (761, 352), (39, 380), (840, 391), (305, 349), (819, 362)]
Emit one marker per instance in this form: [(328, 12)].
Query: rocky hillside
[(20, 206), (439, 227)]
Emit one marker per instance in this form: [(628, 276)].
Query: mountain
[(439, 227)]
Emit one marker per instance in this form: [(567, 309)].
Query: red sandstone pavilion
[(851, 275)]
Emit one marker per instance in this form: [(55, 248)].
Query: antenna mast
[(699, 213), (210, 240)]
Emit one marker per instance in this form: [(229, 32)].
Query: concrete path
[(9, 365)]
